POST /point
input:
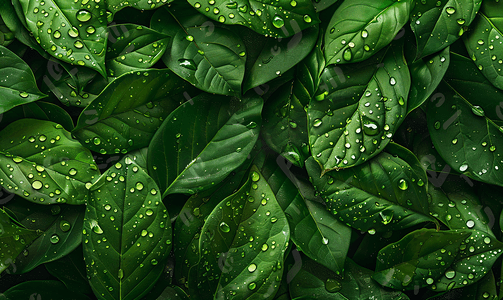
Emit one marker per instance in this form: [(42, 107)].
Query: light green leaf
[(125, 251), (52, 166), (360, 28)]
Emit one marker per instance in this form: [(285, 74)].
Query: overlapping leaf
[(127, 232), (360, 28), (360, 109), (42, 163), (187, 155), (281, 18)]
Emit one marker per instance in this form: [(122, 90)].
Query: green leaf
[(126, 250), (426, 75), (458, 207), (71, 270), (320, 5), (275, 57), (360, 28), (133, 47), (38, 110), (285, 118), (438, 24), (242, 244), (280, 19), (205, 54), (12, 21), (314, 281), (357, 114), (482, 42), (13, 240), (72, 32), (465, 126), (116, 5), (418, 259), (125, 116), (47, 166), (42, 289), (18, 85), (314, 230), (484, 289), (384, 192), (187, 155), (61, 227)]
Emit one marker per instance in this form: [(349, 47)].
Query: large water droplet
[(37, 185), (317, 122), (470, 223), (347, 55), (187, 63), (278, 21), (54, 239), (392, 81), (332, 285), (224, 227), (403, 185), (97, 229), (252, 286), (325, 241), (370, 127), (450, 274), (450, 10), (252, 268), (83, 15), (463, 167), (64, 225), (478, 111), (255, 176)]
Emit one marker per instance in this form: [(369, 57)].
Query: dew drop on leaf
[(278, 21), (54, 239), (224, 227), (478, 111), (403, 185), (83, 15), (252, 268), (64, 225), (332, 285)]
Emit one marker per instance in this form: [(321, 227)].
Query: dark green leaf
[(13, 239), (282, 18), (133, 47), (276, 56), (207, 55), (357, 114), (18, 84), (484, 289), (384, 192), (38, 110), (116, 5), (128, 112), (71, 270), (49, 166), (242, 244), (483, 41), (127, 232), (285, 128), (42, 289), (360, 28), (61, 227), (438, 24), (465, 125), (72, 32), (187, 155)]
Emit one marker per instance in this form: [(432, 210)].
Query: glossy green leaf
[(484, 289), (207, 55), (456, 205), (71, 270), (465, 125), (38, 110), (285, 118), (384, 192), (133, 47), (61, 228), (426, 75), (187, 155), (18, 84), (315, 231), (13, 239), (127, 232), (42, 289), (438, 24), (15, 25), (280, 19), (55, 168), (317, 282), (483, 42), (360, 28), (116, 5), (320, 5), (72, 32), (275, 57), (362, 107), (242, 244), (418, 259), (128, 112)]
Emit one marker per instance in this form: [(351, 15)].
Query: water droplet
[(463, 167), (486, 295), (64, 225), (402, 184), (90, 29), (83, 15), (420, 182), (371, 231), (365, 34), (108, 207), (332, 285), (56, 34), (72, 172), (252, 268), (278, 21), (255, 176), (437, 125), (265, 247), (401, 101), (487, 240), (37, 185), (470, 223), (369, 126), (429, 280), (293, 3), (392, 81), (224, 227), (149, 212), (325, 241), (461, 21), (307, 19), (187, 63), (78, 44), (347, 55), (189, 38), (450, 10), (54, 239), (139, 186), (252, 286), (153, 262), (450, 274), (454, 141), (317, 122), (478, 111), (97, 229), (73, 32)]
